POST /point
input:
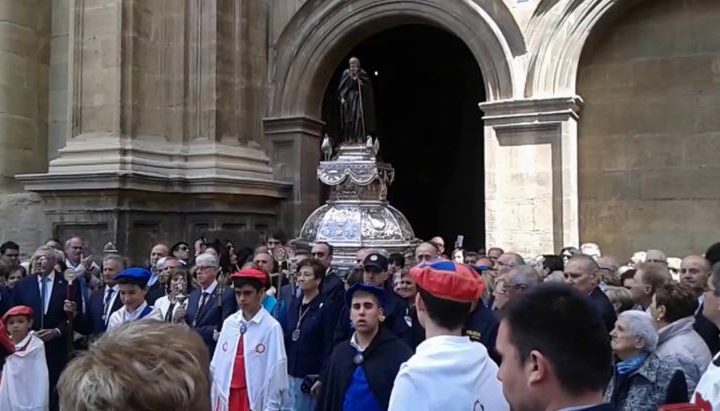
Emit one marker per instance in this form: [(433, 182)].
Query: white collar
[(354, 343), (137, 310), (211, 288), (50, 277), (257, 318), (114, 288)]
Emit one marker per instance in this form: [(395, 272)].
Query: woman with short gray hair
[(641, 381)]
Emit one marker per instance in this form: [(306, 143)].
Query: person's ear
[(661, 310), (419, 303), (537, 368)]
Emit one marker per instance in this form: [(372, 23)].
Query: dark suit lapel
[(208, 304), (193, 304), (59, 291)]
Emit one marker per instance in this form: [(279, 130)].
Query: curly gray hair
[(641, 325)]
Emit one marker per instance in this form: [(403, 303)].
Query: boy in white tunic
[(25, 383), (249, 367), (132, 285), (448, 371)]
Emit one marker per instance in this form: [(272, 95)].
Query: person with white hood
[(448, 371), (25, 383), (249, 367)]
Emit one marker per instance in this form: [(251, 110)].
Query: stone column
[(295, 147), (531, 174), (24, 58)]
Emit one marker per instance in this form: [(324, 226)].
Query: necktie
[(203, 300), (43, 293), (106, 305)]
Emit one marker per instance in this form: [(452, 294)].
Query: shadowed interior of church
[(427, 87)]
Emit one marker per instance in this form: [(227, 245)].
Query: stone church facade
[(171, 118)]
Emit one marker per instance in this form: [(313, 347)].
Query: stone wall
[(649, 135)]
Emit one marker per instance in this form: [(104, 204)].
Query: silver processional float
[(357, 214)]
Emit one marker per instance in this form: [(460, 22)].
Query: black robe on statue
[(382, 360)]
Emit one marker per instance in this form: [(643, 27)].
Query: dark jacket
[(604, 307), (482, 326), (333, 288), (396, 310), (94, 323), (657, 382), (708, 331), (156, 291), (207, 320), (382, 360), (308, 355), (27, 292)]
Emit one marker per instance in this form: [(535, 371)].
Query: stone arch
[(321, 32), (557, 33)]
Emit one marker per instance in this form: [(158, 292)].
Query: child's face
[(18, 326), (131, 295)]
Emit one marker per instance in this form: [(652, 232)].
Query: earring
[(382, 318)]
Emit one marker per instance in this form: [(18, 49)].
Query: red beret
[(449, 280), (251, 273), (17, 310)]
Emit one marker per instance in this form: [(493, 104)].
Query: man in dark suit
[(555, 351), (581, 271), (105, 300), (332, 287), (203, 312), (47, 292)]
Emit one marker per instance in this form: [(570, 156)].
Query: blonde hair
[(141, 366)]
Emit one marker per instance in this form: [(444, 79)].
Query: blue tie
[(43, 294)]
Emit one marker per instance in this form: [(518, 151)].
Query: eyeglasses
[(318, 255), (424, 257), (204, 267)]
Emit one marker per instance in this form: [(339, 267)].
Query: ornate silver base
[(357, 215)]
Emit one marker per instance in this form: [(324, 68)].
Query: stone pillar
[(24, 57), (295, 147), (157, 150), (531, 174)]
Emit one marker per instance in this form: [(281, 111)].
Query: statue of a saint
[(357, 104)]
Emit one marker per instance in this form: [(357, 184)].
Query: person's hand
[(180, 315), (711, 308), (70, 307), (87, 262), (216, 335), (315, 389), (47, 335)]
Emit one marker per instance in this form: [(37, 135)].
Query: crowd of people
[(215, 327)]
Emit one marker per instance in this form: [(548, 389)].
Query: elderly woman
[(673, 309), (641, 380), (406, 288), (180, 287)]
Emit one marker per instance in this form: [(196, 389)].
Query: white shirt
[(108, 308), (265, 362), (25, 382), (123, 315), (163, 304), (448, 373), (211, 288), (50, 280)]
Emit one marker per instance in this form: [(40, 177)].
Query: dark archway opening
[(427, 87)]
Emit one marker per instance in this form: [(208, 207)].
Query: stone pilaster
[(531, 175), (295, 146)]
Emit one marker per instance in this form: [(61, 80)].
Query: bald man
[(694, 272), (507, 261), (425, 252)]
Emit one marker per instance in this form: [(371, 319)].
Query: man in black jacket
[(332, 287), (361, 371), (581, 271)]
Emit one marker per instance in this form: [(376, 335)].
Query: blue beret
[(376, 291), (138, 275)]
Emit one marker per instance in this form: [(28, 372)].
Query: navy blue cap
[(376, 291), (377, 261), (135, 275)]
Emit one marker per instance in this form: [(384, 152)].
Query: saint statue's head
[(354, 65)]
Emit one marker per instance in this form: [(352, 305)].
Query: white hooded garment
[(448, 373), (24, 383)]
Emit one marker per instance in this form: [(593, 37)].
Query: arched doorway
[(427, 87)]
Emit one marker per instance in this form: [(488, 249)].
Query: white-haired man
[(204, 313)]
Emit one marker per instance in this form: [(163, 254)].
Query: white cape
[(24, 383), (448, 373), (707, 392), (265, 362)]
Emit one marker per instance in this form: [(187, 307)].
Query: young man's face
[(248, 298), (512, 372), (365, 312), (18, 326), (132, 295)]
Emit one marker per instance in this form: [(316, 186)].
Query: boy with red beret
[(25, 382), (448, 371), (249, 367)]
